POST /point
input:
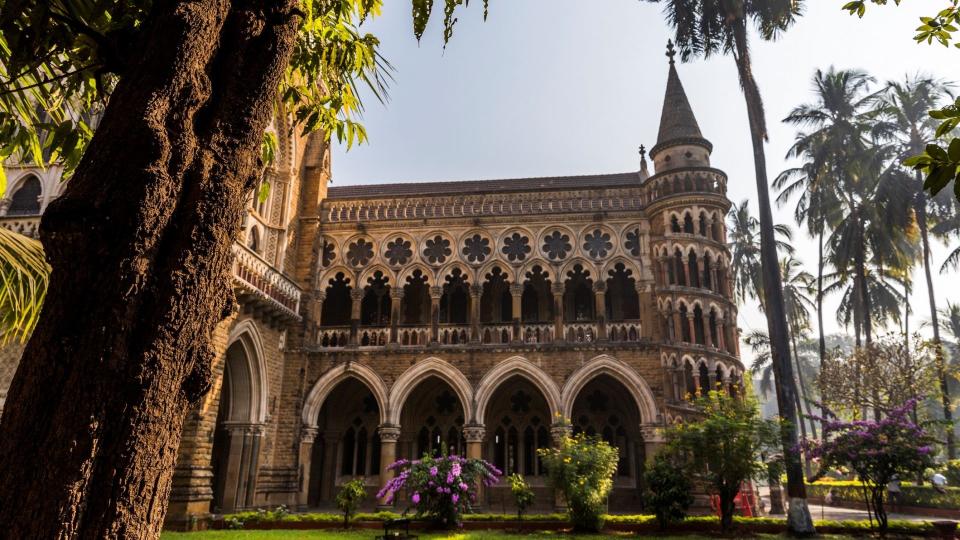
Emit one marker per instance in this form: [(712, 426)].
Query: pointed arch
[(416, 373), (334, 376), (519, 366), (608, 365), (246, 335)]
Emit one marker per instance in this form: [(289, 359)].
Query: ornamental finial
[(671, 51)]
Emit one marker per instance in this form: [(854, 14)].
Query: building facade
[(488, 317)]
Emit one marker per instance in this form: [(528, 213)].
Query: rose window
[(437, 249), (398, 251), (516, 247), (360, 252), (476, 248), (632, 244), (329, 254), (597, 244), (557, 245)]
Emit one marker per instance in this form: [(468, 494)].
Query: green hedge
[(911, 495), (640, 520)]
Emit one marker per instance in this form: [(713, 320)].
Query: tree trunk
[(803, 386), (799, 520), (140, 245), (823, 339), (921, 211)]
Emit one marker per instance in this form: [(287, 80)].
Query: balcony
[(255, 281), (491, 335)]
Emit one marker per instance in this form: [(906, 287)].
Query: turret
[(679, 142)]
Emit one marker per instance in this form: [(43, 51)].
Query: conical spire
[(678, 125)]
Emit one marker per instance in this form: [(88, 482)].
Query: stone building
[(386, 321)]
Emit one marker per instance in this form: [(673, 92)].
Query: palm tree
[(710, 27), (906, 122), (797, 283), (743, 234), (23, 283), (835, 119)]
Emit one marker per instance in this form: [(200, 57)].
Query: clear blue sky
[(549, 87)]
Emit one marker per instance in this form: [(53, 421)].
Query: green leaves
[(24, 274)]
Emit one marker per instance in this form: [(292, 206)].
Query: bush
[(442, 488), (668, 490), (522, 494), (951, 470), (349, 498), (582, 469), (910, 495)]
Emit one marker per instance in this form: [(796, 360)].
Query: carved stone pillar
[(318, 307), (389, 435), (664, 273), (677, 329), (435, 294), (557, 433), (696, 382), (700, 272), (693, 328), (707, 338), (721, 344), (686, 272), (307, 436), (476, 291), (600, 308), (653, 440), (557, 290), (356, 297), (516, 294), (475, 434), (396, 299)]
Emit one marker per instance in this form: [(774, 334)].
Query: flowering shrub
[(442, 487), (876, 451), (582, 468), (522, 494)]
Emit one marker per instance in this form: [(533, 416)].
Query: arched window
[(26, 199), (714, 336), (537, 300), (707, 271), (375, 306), (694, 270), (698, 325), (675, 224), (688, 379), (455, 302), (685, 324), (703, 224), (337, 303), (416, 299), (679, 266), (495, 301), (253, 239), (688, 223), (578, 297), (622, 300), (704, 380)]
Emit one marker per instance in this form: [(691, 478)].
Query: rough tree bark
[(140, 247)]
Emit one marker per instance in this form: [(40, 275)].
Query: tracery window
[(578, 296), (519, 433), (622, 300), (375, 306), (360, 252), (632, 245), (516, 247), (336, 302), (476, 248), (398, 251), (436, 250), (597, 244), (329, 253), (557, 245), (26, 200)]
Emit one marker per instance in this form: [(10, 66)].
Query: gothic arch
[(369, 271), (606, 364), (416, 373), (519, 366), (326, 383), (252, 406), (629, 264), (409, 269)]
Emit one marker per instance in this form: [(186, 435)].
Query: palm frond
[(24, 274)]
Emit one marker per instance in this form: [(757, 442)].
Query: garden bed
[(919, 500), (636, 524)]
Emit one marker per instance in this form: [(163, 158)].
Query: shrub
[(443, 487), (582, 468), (668, 490), (349, 498), (951, 470), (522, 494)]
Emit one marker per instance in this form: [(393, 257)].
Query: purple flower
[(440, 490), (415, 498), (463, 486), (454, 497), (433, 471)]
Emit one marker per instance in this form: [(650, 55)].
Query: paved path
[(819, 511)]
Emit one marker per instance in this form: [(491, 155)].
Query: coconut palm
[(797, 284), (905, 122), (23, 284), (707, 28), (743, 235), (836, 121)]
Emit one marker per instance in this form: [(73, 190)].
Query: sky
[(547, 87)]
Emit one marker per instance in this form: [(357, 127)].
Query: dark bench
[(394, 529)]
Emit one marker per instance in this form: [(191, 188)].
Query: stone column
[(516, 294), (557, 290), (653, 440), (677, 329), (318, 307), (693, 328), (396, 299), (600, 308), (707, 338), (436, 293), (475, 434), (696, 382), (356, 296), (307, 436), (557, 433), (331, 451), (389, 435), (700, 272), (686, 271), (664, 274), (720, 335), (476, 291)]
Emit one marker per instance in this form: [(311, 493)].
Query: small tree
[(522, 494), (582, 468), (722, 446), (669, 489), (349, 498), (876, 451)]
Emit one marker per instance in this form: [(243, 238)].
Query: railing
[(580, 332), (537, 333), (264, 284), (626, 331), (454, 334), (25, 225), (332, 337), (497, 334), (413, 336), (373, 337)]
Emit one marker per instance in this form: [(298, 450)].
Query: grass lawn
[(370, 533)]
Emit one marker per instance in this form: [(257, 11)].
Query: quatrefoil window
[(437, 249), (516, 247), (360, 252), (597, 244), (398, 251), (476, 248), (557, 245), (329, 254), (633, 242)]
